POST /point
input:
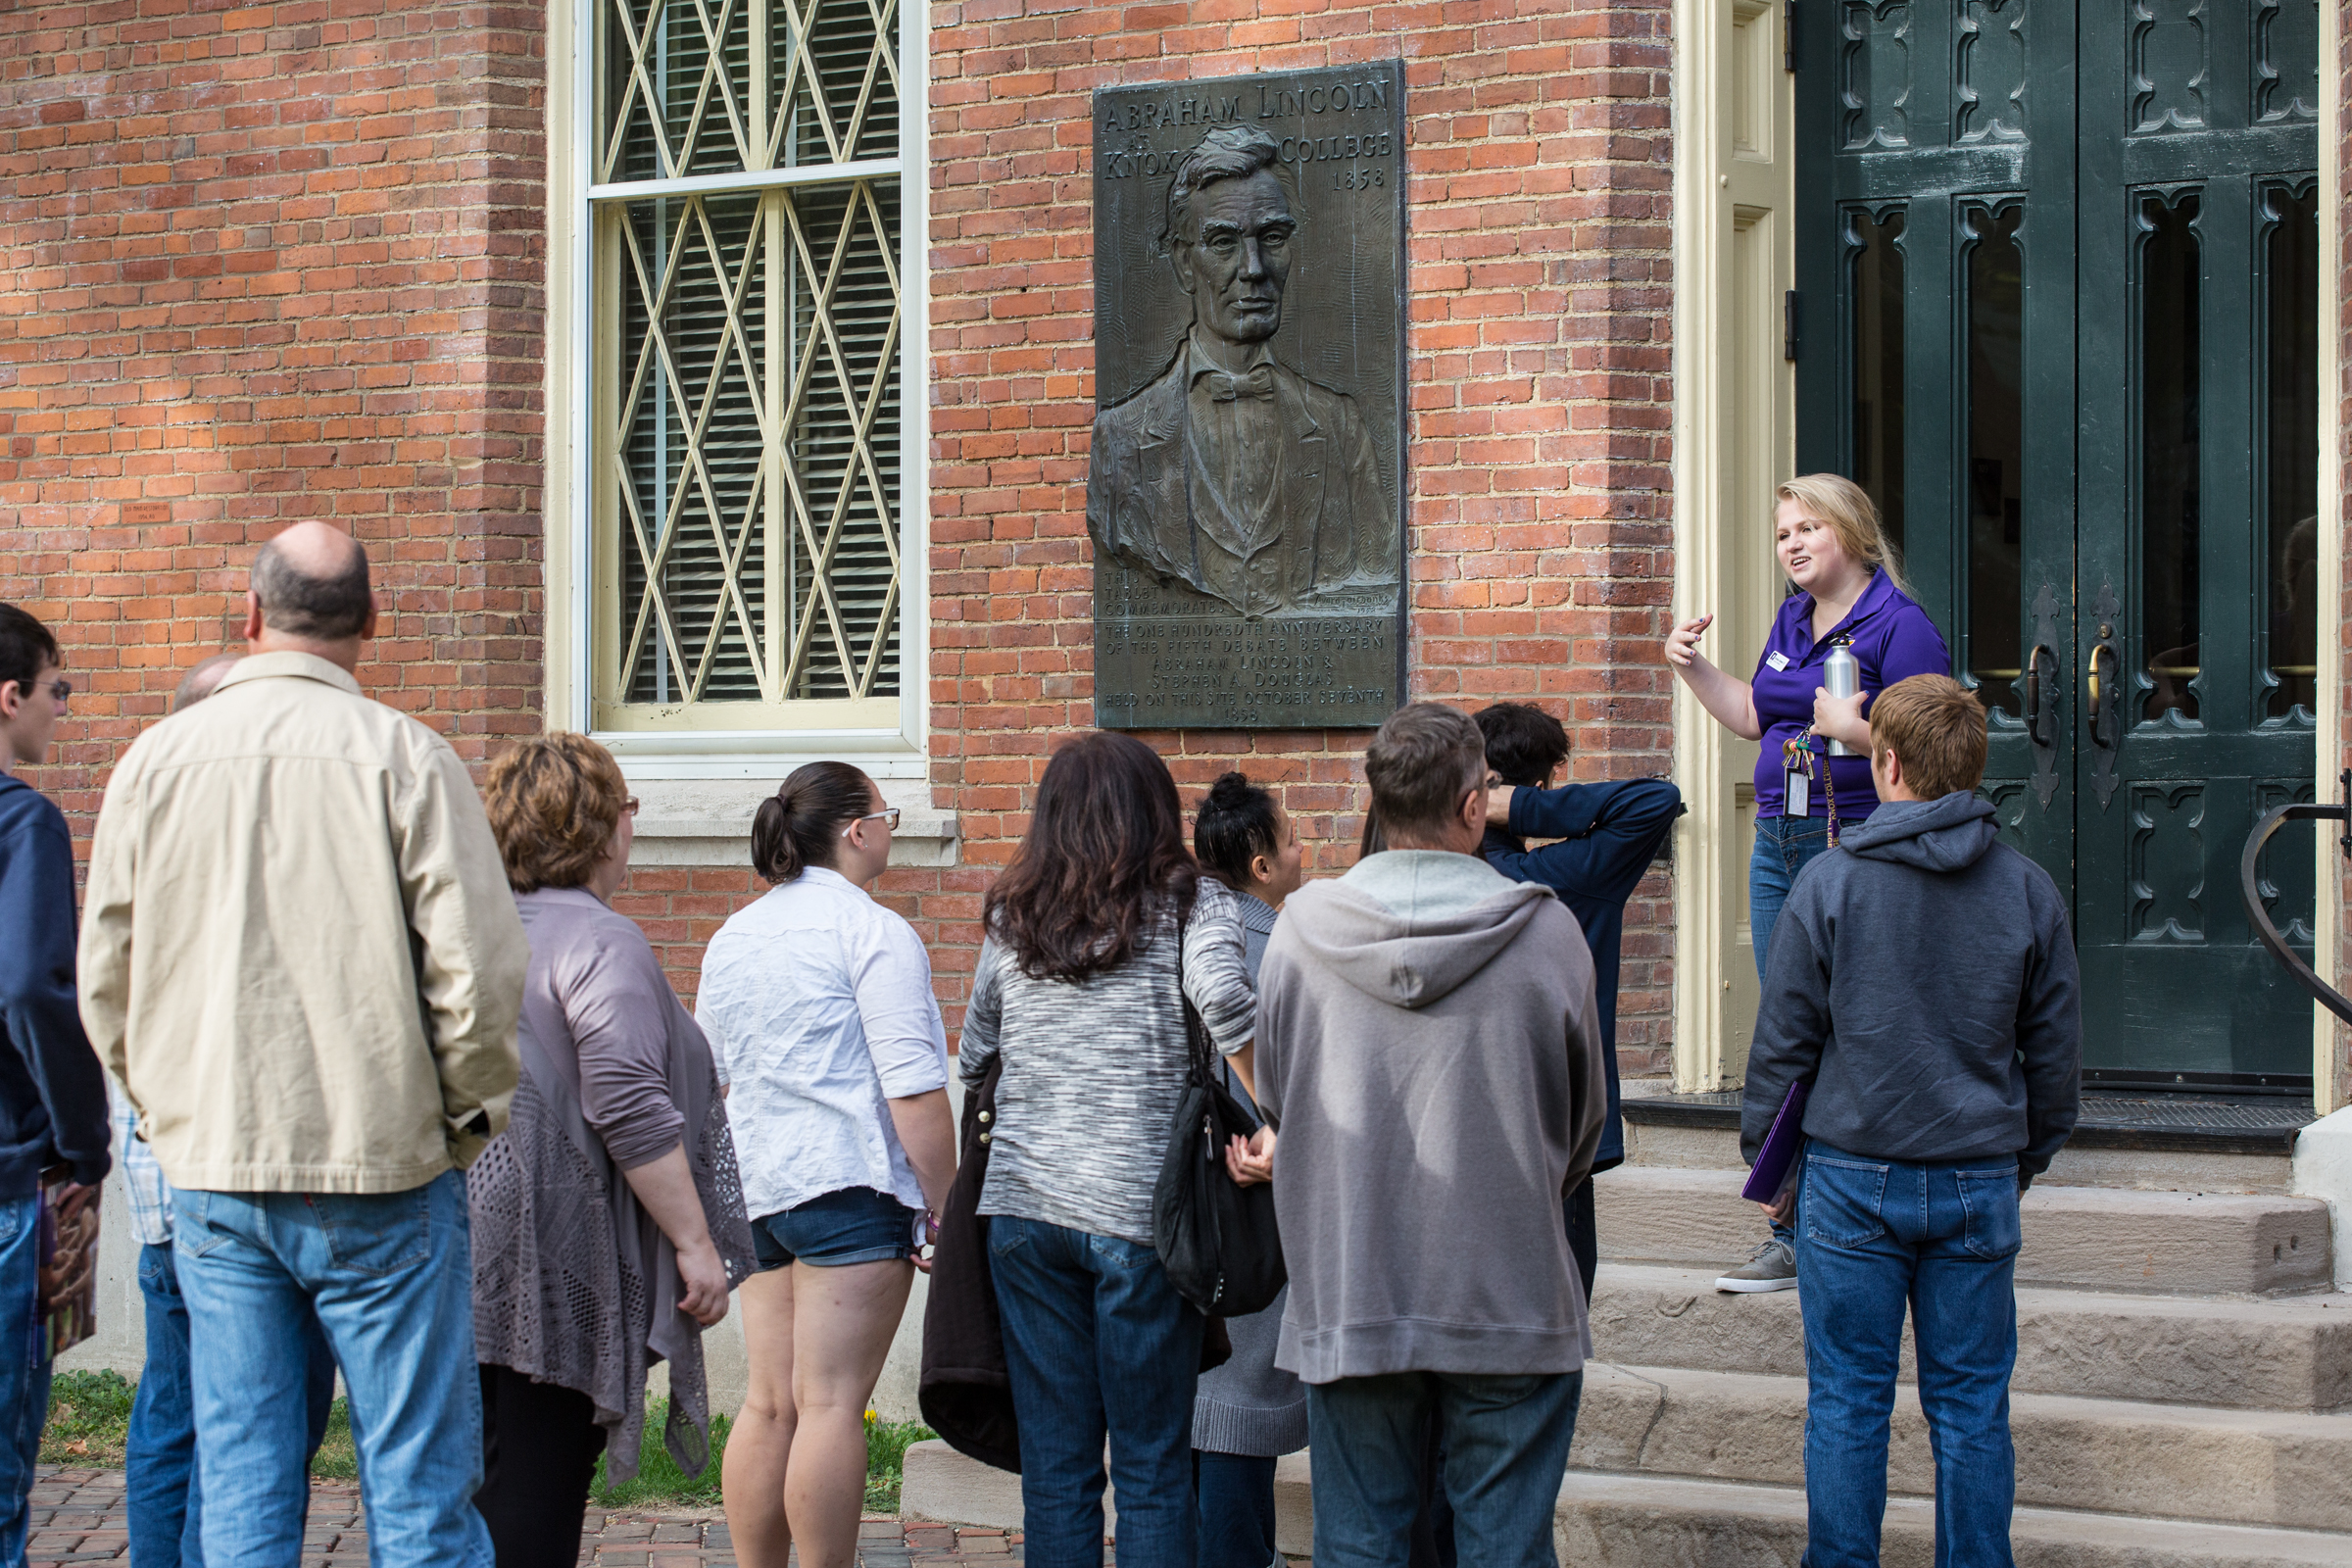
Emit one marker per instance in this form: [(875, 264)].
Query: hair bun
[(1230, 789)]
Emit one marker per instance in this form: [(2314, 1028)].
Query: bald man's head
[(311, 584), (197, 683)]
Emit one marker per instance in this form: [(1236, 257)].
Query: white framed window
[(748, 434)]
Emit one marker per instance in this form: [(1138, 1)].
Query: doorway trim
[(2330, 1079), (1735, 437)]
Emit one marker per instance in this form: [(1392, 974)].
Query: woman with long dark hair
[(820, 1002), (1097, 935)]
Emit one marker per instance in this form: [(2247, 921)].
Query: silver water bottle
[(1842, 674)]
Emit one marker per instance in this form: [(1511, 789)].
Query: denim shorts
[(854, 1225)]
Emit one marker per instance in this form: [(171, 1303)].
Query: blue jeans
[(1941, 1240), (24, 1381), (1785, 845), (1235, 1495), (390, 1279), (1098, 1343), (1506, 1449), (165, 1504)]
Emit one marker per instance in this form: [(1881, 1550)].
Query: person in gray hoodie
[(1923, 981), (1430, 1054)]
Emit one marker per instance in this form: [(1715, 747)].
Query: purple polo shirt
[(1892, 638)]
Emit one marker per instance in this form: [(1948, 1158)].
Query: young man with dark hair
[(1923, 981), (1607, 834), (52, 1093), (1428, 1047)]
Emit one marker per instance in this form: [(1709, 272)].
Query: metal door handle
[(2041, 716), (2103, 696)]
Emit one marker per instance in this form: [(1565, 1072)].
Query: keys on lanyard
[(1797, 775)]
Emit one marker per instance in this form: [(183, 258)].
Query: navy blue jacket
[(1608, 834), (1922, 979), (52, 1091)]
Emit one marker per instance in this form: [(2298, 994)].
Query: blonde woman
[(1845, 589)]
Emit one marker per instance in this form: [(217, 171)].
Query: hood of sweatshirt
[(1947, 834), (1410, 926)]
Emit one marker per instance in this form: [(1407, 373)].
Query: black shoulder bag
[(1216, 1238)]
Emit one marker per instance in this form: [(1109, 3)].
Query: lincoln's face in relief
[(1236, 258), (1230, 473)]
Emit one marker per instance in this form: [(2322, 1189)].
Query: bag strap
[(1197, 1055)]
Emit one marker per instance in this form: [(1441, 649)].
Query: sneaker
[(1771, 1267)]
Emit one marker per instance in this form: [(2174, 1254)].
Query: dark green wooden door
[(2058, 312)]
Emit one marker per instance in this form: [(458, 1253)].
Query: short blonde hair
[(1937, 726), (554, 802), (1851, 515)]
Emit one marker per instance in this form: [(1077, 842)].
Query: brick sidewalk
[(78, 1517)]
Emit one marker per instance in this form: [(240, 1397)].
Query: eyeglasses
[(630, 804), (58, 689), (889, 819)]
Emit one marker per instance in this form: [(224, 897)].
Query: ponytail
[(797, 826)]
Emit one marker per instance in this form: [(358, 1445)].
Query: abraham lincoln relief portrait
[(1230, 472)]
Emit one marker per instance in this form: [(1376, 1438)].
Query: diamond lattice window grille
[(750, 494)]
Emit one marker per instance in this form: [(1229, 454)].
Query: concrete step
[(2167, 1171), (2091, 1238), (2266, 1353), (1616, 1521), (2108, 1455), (943, 1486)]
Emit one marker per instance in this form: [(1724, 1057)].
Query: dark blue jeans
[(1234, 1492), (1098, 1343), (160, 1487), (1941, 1240), (1507, 1450), (24, 1380), (1785, 845)]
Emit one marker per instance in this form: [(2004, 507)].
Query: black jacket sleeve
[(1609, 834), (2049, 1036), (36, 984), (1792, 1018)]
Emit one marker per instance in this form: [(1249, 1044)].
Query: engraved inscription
[(1878, 75), (2287, 60), (1990, 81), (2167, 861), (2168, 66)]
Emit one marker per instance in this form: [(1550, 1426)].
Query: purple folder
[(1776, 1161)]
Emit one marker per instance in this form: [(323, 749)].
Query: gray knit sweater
[(1249, 1405), (1092, 1070)]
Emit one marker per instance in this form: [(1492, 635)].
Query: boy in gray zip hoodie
[(1429, 1051), (1922, 979)]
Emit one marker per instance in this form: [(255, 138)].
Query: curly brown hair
[(554, 802)]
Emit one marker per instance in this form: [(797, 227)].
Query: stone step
[(1618, 1521), (2091, 1238), (2108, 1455), (1612, 1519), (2267, 1354), (2168, 1170)]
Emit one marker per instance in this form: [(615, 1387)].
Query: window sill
[(709, 822)]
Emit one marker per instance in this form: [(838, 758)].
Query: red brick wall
[(272, 261), (1538, 448)]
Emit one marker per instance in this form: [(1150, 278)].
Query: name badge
[(1776, 661)]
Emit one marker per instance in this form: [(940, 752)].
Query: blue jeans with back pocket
[(1876, 1237), (390, 1277)]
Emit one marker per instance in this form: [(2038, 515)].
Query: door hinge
[(1788, 326), (1788, 35)]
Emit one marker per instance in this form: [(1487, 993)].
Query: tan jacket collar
[(288, 661)]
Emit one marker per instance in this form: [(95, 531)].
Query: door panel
[(2069, 252), (2176, 169)]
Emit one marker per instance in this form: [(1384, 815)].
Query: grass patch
[(90, 1420)]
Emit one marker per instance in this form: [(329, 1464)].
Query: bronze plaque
[(1245, 487)]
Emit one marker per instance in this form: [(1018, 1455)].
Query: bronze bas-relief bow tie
[(1225, 387)]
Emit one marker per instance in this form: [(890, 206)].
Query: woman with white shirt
[(818, 1003)]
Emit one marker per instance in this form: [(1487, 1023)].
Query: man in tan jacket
[(299, 956)]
